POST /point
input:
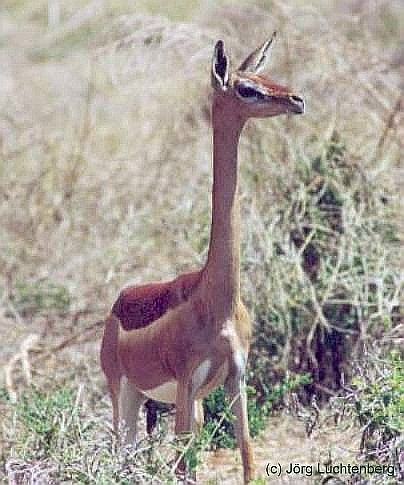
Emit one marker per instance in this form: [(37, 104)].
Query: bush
[(219, 416), (325, 292), (375, 400), (378, 401)]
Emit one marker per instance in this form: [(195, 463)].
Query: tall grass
[(105, 176)]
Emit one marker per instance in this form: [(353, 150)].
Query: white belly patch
[(166, 392), (200, 375)]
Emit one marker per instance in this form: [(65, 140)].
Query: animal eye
[(249, 92)]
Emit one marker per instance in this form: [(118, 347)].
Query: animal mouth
[(296, 105)]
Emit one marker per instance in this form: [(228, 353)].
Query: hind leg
[(114, 388), (130, 402), (151, 415)]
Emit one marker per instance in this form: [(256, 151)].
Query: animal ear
[(257, 60), (220, 67)]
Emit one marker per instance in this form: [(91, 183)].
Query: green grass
[(375, 401), (105, 177), (379, 402), (30, 298), (53, 430)]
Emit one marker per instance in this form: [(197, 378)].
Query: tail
[(110, 364), (109, 348)]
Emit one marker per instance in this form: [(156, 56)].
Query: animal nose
[(298, 102)]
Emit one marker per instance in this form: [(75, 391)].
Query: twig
[(68, 341), (389, 126), (23, 355)]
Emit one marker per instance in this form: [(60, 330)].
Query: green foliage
[(53, 430), (260, 404), (48, 422), (31, 298), (375, 400), (218, 420), (218, 431), (260, 481), (379, 402), (4, 396)]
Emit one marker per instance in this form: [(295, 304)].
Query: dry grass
[(105, 162)]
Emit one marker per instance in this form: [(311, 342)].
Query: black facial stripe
[(249, 92)]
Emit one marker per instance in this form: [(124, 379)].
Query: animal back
[(139, 306)]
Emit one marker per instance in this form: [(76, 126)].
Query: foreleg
[(198, 416), (236, 390), (184, 419)]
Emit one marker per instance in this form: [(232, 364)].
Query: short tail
[(109, 349), (110, 364)]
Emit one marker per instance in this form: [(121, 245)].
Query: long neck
[(222, 269)]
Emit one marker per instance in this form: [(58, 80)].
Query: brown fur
[(272, 87), (138, 306)]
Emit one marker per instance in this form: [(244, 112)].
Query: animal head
[(248, 92)]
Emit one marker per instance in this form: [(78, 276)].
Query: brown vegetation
[(105, 175)]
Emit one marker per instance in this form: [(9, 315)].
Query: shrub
[(325, 292), (375, 400), (33, 297), (378, 402), (219, 417)]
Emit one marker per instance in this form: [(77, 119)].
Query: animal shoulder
[(140, 305)]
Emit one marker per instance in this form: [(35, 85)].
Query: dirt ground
[(284, 441)]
